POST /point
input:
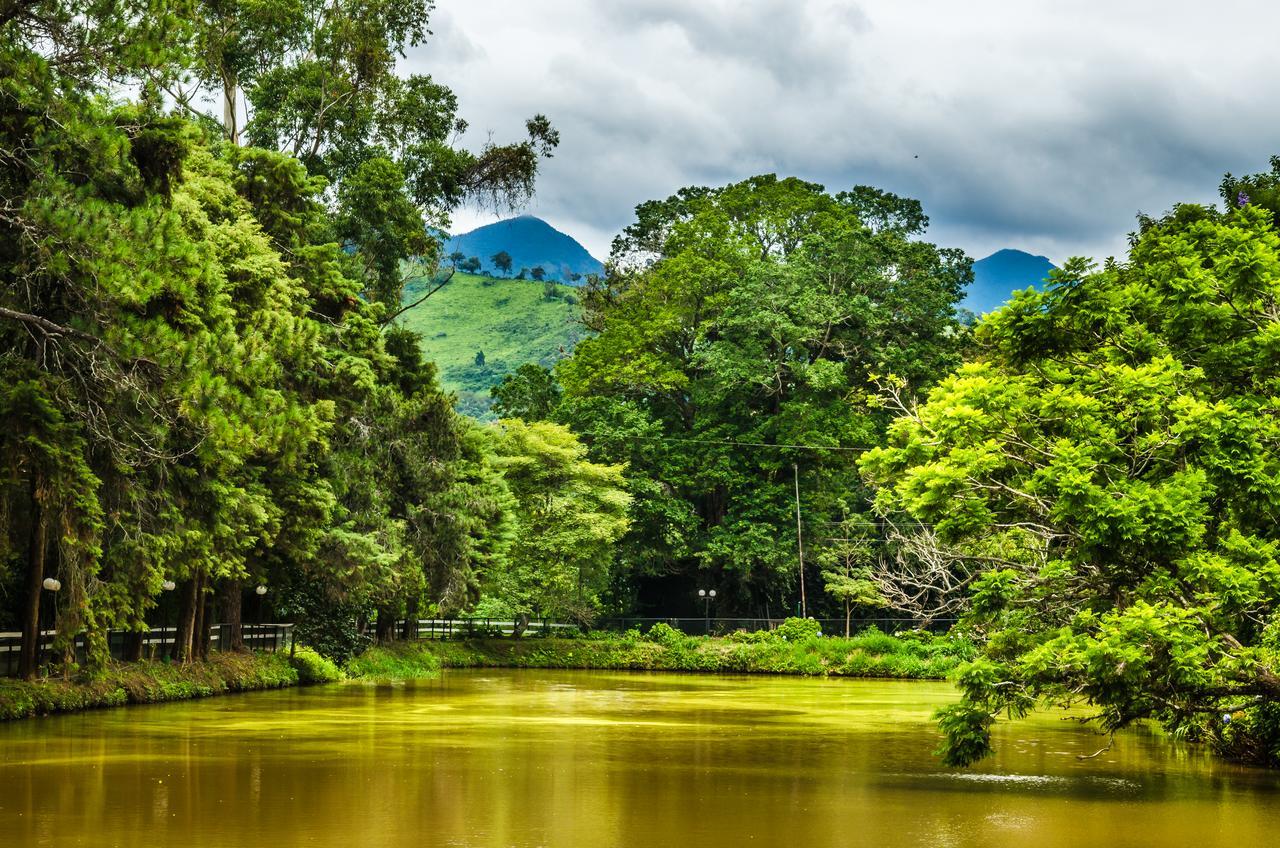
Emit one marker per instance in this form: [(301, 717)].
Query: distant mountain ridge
[(531, 243), (998, 276)]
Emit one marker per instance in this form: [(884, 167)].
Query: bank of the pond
[(870, 654), (152, 682), (873, 654)]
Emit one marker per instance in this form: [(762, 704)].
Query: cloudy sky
[(1038, 124)]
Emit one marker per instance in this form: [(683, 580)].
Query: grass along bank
[(791, 649), (794, 648), (154, 681)]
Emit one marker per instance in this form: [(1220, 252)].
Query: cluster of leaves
[(316, 79), (1110, 463)]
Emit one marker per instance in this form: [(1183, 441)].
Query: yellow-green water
[(598, 759)]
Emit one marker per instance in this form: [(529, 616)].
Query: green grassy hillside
[(511, 321)]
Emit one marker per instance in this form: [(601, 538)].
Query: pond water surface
[(599, 759)]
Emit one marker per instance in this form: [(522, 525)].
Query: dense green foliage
[(511, 322), (319, 80), (1105, 475), (736, 323), (571, 512), (199, 383)]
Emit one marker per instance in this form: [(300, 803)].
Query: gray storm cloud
[(1038, 125)]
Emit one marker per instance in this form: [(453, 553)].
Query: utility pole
[(804, 606)]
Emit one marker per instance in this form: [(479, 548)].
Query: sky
[(1042, 126)]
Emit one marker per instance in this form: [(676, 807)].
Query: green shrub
[(664, 634), (798, 629), (314, 667), (753, 636), (922, 636), (405, 661), (873, 641)]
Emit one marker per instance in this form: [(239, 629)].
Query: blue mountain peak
[(531, 242), (998, 276)]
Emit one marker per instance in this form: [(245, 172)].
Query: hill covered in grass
[(510, 322)]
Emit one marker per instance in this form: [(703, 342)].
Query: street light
[(261, 592), (52, 585), (707, 598)]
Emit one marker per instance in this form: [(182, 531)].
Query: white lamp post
[(168, 586), (49, 584), (261, 592)]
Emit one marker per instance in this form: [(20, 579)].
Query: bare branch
[(1110, 741), (393, 316)]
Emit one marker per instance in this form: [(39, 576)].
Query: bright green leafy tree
[(1108, 470), (736, 322), (569, 513)]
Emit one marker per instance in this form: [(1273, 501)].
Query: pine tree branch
[(51, 328)]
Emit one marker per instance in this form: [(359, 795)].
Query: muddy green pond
[(599, 759)]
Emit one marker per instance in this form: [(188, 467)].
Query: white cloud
[(1039, 124)]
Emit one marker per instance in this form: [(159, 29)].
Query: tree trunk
[(186, 620), (848, 613), (29, 659), (232, 607), (230, 96), (386, 628), (133, 645), (521, 625), (804, 603), (410, 629)]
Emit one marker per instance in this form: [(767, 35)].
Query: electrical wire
[(849, 449)]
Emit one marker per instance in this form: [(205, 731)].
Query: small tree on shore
[(846, 573)]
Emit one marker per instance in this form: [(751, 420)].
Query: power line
[(730, 442), (910, 525), (851, 449)]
